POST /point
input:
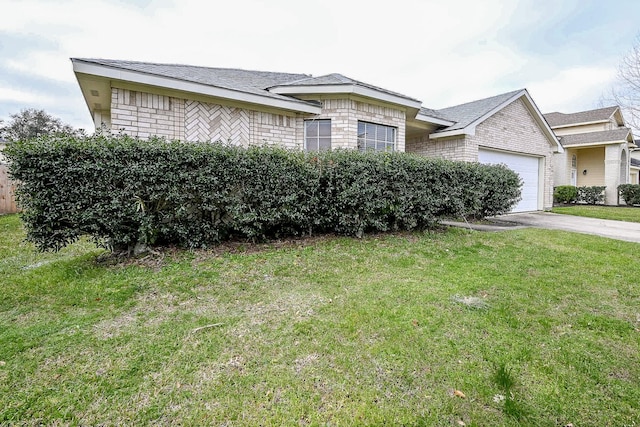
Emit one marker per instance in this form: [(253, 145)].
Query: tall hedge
[(630, 193), (125, 192)]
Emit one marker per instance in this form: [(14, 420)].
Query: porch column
[(611, 173)]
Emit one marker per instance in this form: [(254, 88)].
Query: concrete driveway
[(629, 231)]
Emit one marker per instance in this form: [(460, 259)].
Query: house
[(3, 145), (634, 164), (597, 146), (299, 111), (634, 171)]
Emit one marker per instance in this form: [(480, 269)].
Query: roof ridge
[(467, 113), (175, 64), (513, 92)]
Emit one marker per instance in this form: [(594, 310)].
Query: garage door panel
[(527, 167)]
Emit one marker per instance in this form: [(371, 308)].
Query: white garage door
[(526, 167)]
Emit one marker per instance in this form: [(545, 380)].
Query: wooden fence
[(7, 197)]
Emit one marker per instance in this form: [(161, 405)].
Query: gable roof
[(467, 116), (615, 136), (557, 119), (468, 113), (635, 162)]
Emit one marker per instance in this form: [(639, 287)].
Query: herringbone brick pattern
[(210, 122)]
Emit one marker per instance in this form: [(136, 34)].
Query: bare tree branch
[(626, 89)]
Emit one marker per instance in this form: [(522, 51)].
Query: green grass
[(331, 331), (603, 212)]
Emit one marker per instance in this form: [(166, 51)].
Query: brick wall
[(345, 114), (143, 114), (443, 148), (285, 130)]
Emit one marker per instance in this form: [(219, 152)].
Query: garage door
[(526, 167)]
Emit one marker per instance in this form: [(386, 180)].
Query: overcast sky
[(443, 52)]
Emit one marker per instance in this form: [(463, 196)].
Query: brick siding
[(143, 115)]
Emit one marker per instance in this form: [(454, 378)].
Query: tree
[(31, 123), (626, 90)]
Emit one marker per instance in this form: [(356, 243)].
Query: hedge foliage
[(565, 194), (572, 194), (125, 192), (630, 193), (591, 195)]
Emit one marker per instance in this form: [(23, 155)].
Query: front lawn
[(630, 214), (522, 327)]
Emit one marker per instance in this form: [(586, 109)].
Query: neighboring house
[(3, 144), (597, 147), (634, 170), (634, 166), (298, 111)]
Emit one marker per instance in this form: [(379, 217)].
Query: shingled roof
[(339, 79), (465, 114), (602, 137), (556, 119), (248, 81)]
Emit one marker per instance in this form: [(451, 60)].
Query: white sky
[(443, 52)]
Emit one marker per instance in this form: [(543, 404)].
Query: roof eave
[(83, 67), (591, 144), (434, 120), (469, 130), (592, 122), (346, 89)]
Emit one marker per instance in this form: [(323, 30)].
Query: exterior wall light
[(584, 172)]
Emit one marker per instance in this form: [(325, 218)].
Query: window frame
[(318, 134), (386, 143)]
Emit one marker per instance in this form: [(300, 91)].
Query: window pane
[(324, 143), (372, 136), (317, 134), (324, 128), (381, 134), (311, 128), (370, 131)]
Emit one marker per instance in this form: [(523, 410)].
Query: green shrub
[(565, 194), (127, 193), (630, 193), (591, 195)]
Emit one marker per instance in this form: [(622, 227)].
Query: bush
[(591, 195), (127, 193), (630, 193), (565, 194)]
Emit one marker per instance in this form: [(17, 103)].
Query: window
[(376, 137), (317, 135)]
